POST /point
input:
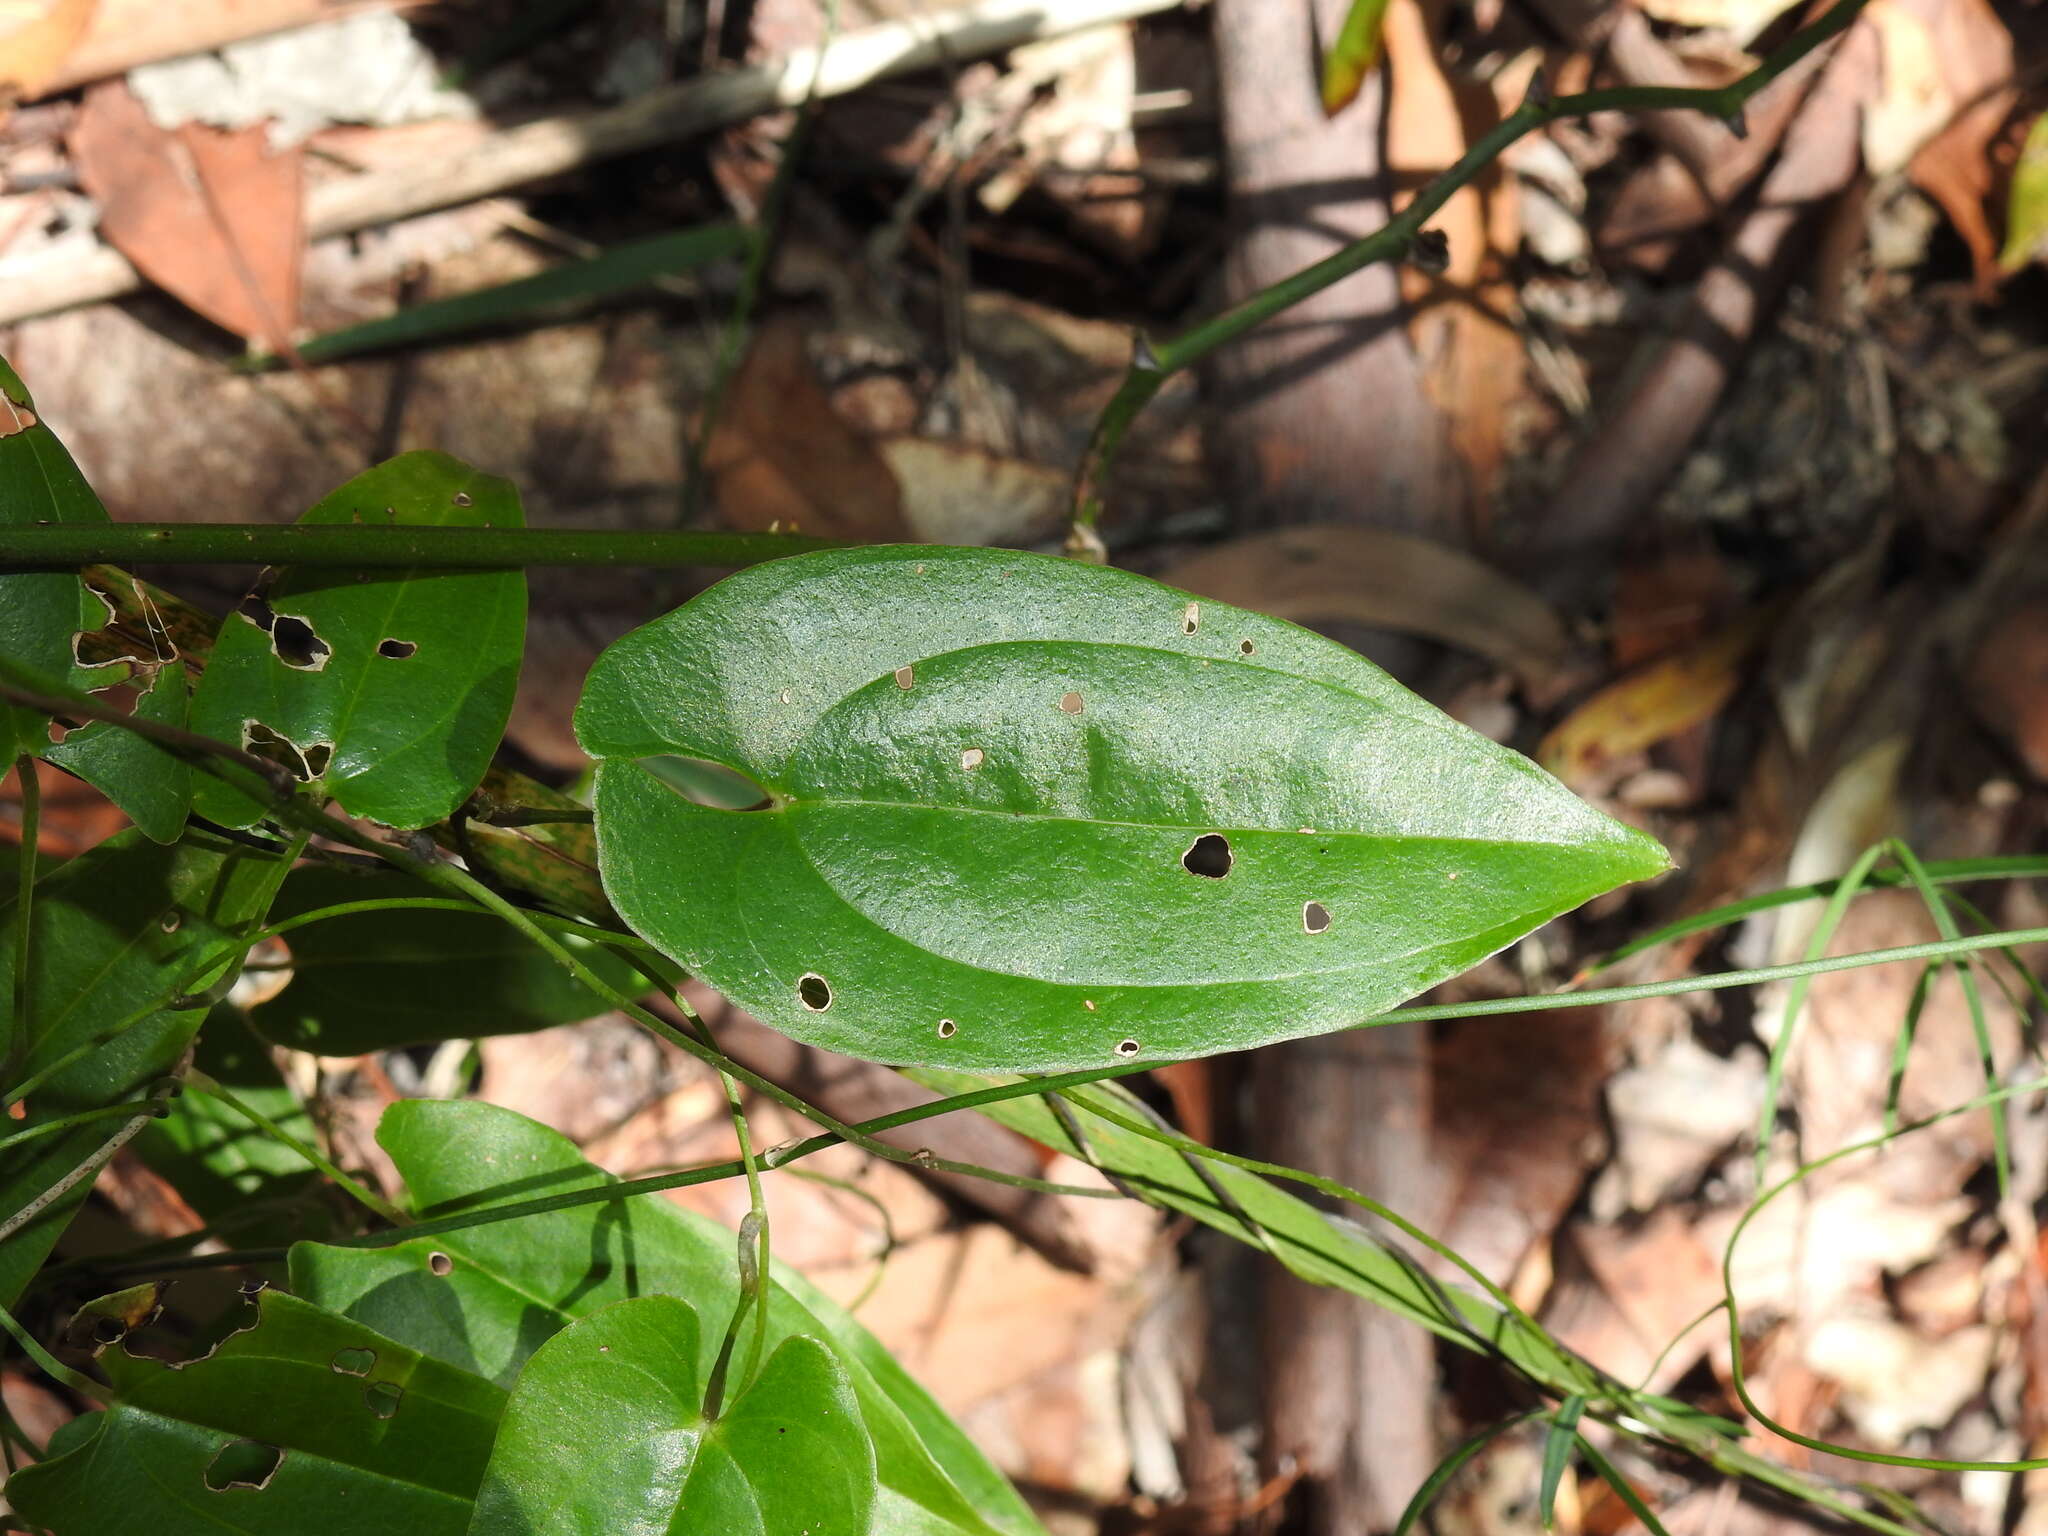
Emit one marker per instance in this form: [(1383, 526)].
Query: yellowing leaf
[(2026, 208), (1651, 705)]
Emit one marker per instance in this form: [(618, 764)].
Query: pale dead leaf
[(36, 37), (1744, 19), (125, 33), (780, 458), (956, 493), (1912, 103), (1383, 580), (1895, 1382), (211, 218)]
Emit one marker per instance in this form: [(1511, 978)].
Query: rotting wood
[(553, 145)]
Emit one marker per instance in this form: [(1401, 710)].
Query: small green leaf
[(1029, 814), (1558, 1442), (305, 1425), (486, 1297), (1351, 58), (605, 1432), (388, 689), (2026, 207), (369, 981), (41, 612), (152, 786)]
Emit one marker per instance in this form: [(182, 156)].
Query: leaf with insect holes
[(41, 612), (607, 1431), (388, 689), (1027, 814), (304, 1425)]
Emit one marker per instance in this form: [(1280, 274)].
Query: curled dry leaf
[(212, 218), (1384, 580)]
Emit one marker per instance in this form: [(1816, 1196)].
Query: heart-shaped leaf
[(389, 689), (1029, 814), (606, 1432), (486, 1297)]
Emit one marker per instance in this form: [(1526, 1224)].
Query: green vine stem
[(64, 545), (1153, 363)]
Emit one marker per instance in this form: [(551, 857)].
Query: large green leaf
[(305, 1425), (118, 934), (388, 689), (372, 980), (1032, 814), (486, 1297), (41, 612), (606, 1432)]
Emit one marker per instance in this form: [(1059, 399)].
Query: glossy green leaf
[(1558, 1441), (41, 612), (153, 787), (1031, 814), (373, 980), (304, 1425), (389, 689), (119, 932), (605, 1432), (486, 1297)]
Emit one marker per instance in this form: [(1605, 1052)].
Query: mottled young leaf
[(41, 612), (305, 1425), (389, 689), (369, 981), (486, 1297), (606, 1432), (1031, 814)]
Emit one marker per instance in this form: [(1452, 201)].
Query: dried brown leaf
[(211, 217), (780, 458)]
